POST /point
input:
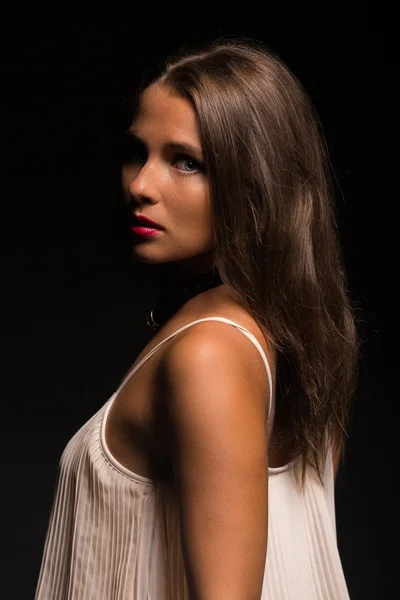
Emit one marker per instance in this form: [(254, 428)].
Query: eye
[(192, 163)]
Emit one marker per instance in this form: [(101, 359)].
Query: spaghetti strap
[(223, 320)]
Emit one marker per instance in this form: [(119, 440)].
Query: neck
[(183, 284), (170, 275)]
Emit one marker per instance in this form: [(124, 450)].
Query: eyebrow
[(170, 144)]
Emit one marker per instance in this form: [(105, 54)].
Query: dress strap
[(223, 320)]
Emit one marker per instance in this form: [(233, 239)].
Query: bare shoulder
[(206, 378), (221, 352)]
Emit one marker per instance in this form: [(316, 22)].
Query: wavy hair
[(276, 241)]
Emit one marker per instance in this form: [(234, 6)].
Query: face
[(164, 178)]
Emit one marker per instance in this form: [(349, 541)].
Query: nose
[(144, 182)]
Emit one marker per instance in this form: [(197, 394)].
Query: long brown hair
[(276, 240)]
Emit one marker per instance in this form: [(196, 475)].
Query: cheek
[(190, 208), (194, 200)]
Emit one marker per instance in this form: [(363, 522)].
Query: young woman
[(209, 473)]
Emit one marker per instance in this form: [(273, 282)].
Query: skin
[(169, 186)]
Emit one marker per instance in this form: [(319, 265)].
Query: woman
[(210, 472)]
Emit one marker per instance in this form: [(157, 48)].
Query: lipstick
[(145, 231)]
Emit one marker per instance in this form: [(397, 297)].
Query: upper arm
[(216, 427)]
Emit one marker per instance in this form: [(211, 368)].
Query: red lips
[(146, 222)]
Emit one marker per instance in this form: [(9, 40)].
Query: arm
[(216, 424)]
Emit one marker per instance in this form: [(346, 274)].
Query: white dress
[(115, 535)]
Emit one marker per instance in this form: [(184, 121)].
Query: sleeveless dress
[(115, 535)]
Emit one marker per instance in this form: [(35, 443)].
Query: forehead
[(163, 112)]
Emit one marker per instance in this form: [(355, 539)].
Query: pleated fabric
[(115, 535)]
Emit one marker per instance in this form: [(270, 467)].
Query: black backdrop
[(72, 306)]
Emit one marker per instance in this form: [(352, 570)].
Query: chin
[(144, 255)]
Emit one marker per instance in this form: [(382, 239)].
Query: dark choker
[(171, 302)]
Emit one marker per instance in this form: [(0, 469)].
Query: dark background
[(72, 305)]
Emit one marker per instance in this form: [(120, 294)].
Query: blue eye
[(187, 159), (196, 166), (134, 151)]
